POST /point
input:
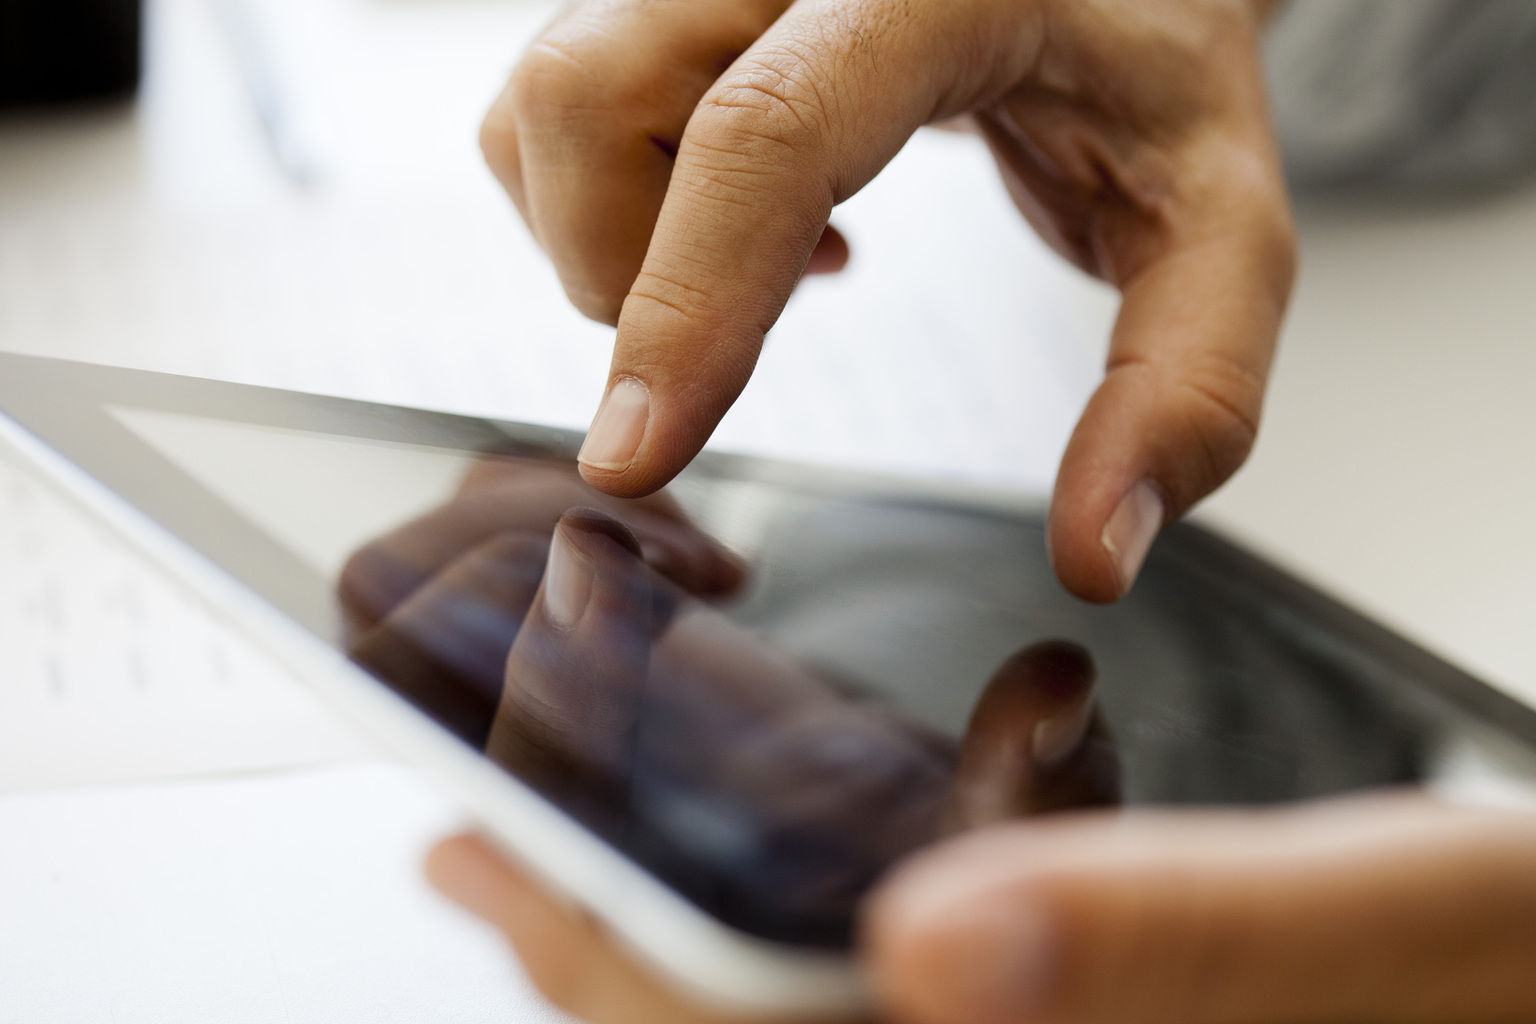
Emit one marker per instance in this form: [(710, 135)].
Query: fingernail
[(567, 581), (1056, 739), (1130, 531), (618, 428)]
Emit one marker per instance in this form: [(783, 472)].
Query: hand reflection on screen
[(434, 606), (661, 721), (573, 647)]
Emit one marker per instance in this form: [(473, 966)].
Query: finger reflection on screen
[(1036, 742), (756, 787), (504, 495)]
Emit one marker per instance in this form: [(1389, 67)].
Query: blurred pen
[(289, 134)]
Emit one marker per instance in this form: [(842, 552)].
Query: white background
[(1397, 465)]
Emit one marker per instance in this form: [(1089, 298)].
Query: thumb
[(801, 121), (1376, 909), (575, 676)]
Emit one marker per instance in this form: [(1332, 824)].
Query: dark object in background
[(61, 50)]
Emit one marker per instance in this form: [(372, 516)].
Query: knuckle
[(770, 100), (583, 70), (666, 296), (594, 303), (1207, 419), (498, 139), (551, 83), (1222, 398)]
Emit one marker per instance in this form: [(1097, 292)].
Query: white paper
[(110, 671), (294, 898)]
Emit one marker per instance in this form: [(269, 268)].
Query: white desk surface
[(1397, 465), (1397, 459)]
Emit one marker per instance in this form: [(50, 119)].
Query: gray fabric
[(1438, 93)]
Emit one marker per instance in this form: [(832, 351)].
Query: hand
[(502, 496), (637, 710), (1035, 743), (434, 606), (678, 160), (1377, 909), (623, 700)]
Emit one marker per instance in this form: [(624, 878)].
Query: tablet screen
[(768, 719), (766, 686)]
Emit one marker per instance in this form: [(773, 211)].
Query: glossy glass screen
[(767, 690)]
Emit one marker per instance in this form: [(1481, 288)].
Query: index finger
[(800, 122)]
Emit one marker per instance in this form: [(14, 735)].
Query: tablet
[(716, 716)]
